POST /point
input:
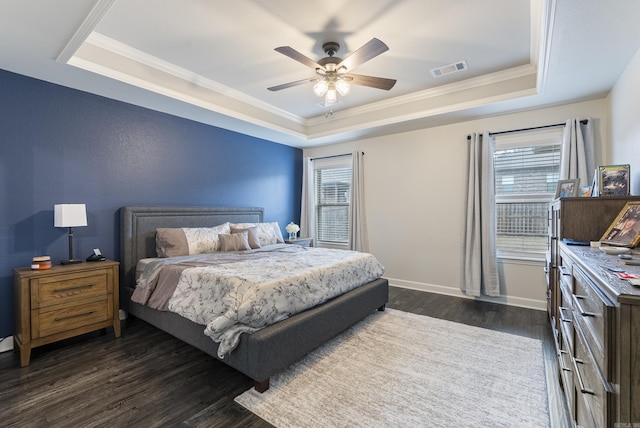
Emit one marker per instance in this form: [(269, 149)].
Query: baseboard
[(521, 302), (6, 344)]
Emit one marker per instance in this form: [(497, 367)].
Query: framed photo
[(567, 188), (585, 191), (625, 229), (613, 180)]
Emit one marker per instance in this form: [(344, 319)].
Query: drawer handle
[(562, 318), (565, 271), (583, 388), (75, 287), (576, 299), (562, 367), (81, 314)]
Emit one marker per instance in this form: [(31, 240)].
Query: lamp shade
[(320, 88), (69, 215)]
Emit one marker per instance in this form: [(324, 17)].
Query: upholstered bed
[(258, 355)]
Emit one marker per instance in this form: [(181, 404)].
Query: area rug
[(396, 369)]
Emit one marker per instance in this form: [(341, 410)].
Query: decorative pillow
[(184, 241), (235, 242), (254, 240), (268, 233), (171, 242)]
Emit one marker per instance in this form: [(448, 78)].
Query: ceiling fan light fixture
[(331, 71), (320, 87), (343, 87), (331, 97)]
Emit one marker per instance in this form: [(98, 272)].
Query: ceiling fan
[(332, 72)]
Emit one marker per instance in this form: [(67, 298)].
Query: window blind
[(333, 194), (527, 169)]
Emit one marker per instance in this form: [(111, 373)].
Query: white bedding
[(232, 293)]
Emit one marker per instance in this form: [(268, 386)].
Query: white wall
[(415, 201), (624, 103)]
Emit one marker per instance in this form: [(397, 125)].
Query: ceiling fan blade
[(371, 49), (292, 84), (294, 54), (372, 82)]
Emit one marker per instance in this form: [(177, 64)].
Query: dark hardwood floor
[(147, 378)]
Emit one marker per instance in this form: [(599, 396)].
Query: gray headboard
[(138, 226)]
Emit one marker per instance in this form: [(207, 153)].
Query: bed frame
[(258, 355)]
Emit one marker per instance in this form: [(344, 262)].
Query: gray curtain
[(480, 262), (577, 159), (358, 239), (307, 208)]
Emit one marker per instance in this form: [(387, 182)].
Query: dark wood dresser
[(607, 332), (598, 338)]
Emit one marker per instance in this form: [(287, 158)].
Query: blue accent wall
[(60, 145)]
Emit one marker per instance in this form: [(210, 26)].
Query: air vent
[(448, 69)]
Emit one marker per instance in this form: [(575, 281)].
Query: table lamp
[(70, 215)]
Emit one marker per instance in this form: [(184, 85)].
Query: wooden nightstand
[(63, 302), (303, 242)]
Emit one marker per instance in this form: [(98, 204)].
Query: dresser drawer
[(590, 386), (58, 319), (584, 416), (565, 313), (565, 364), (590, 309), (60, 289)]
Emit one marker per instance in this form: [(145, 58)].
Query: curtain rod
[(584, 122), (334, 156)]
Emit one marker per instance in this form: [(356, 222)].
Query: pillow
[(254, 240), (278, 232), (235, 242), (184, 241), (268, 233), (171, 242)]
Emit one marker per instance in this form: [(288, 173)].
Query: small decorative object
[(625, 229), (613, 180), (614, 250), (70, 215), (292, 229), (567, 188), (584, 192), (41, 263)]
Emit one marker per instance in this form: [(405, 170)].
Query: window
[(527, 169), (332, 184)]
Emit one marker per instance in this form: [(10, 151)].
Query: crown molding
[(94, 17), (155, 63), (543, 14), (95, 52)]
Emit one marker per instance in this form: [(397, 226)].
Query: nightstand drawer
[(62, 318), (65, 288)]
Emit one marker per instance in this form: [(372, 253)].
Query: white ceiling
[(211, 61)]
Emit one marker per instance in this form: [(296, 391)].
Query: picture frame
[(613, 180), (585, 191), (625, 229), (567, 188)]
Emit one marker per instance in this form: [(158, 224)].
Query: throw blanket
[(233, 293)]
